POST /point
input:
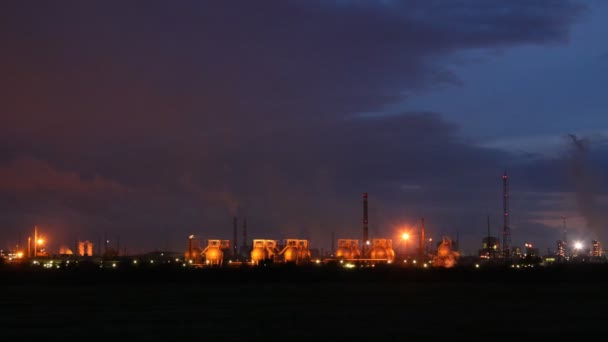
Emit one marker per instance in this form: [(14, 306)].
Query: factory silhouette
[(350, 251)]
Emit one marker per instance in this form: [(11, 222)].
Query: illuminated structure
[(531, 251), (85, 248), (348, 249), (405, 237), (490, 245), (578, 248), (422, 241), (382, 249), (295, 251), (263, 250), (446, 256), (36, 247), (35, 241), (194, 253), (214, 252), (65, 250), (516, 252), (561, 250), (596, 250)]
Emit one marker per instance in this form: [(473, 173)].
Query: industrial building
[(596, 249), (215, 251), (364, 251), (562, 253), (264, 251), (490, 248), (348, 249), (295, 251), (194, 253)]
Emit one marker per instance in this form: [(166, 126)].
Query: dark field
[(315, 304)]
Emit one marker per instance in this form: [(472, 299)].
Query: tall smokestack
[(365, 222), (35, 241), (490, 251), (421, 246), (234, 242), (333, 246), (245, 233), (105, 246), (565, 237)]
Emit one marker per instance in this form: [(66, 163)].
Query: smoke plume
[(585, 182)]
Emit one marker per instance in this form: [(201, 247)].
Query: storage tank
[(85, 248), (271, 248), (390, 250), (303, 251), (258, 253), (348, 249), (382, 249), (446, 256), (290, 252), (213, 253), (64, 250)]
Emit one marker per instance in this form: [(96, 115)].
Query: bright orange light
[(40, 241), (20, 255), (405, 236)]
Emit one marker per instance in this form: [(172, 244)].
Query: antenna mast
[(506, 230)]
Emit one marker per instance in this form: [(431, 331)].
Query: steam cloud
[(446, 255)]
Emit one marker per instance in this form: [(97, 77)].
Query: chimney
[(35, 241), (365, 221), (245, 233), (234, 242), (421, 246)]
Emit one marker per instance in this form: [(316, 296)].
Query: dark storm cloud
[(209, 109)]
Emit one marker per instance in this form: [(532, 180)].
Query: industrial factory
[(350, 251)]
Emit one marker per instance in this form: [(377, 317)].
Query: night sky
[(153, 120)]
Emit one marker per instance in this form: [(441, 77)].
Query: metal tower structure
[(506, 230), (365, 223)]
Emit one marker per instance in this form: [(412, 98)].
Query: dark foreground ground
[(298, 304)]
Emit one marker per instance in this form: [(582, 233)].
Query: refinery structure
[(350, 251)]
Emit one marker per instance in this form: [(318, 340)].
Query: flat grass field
[(303, 304)]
